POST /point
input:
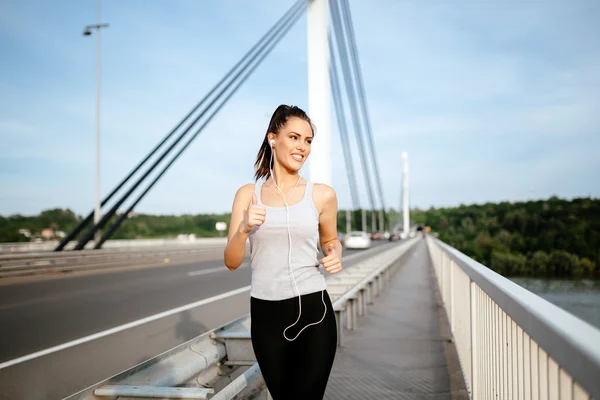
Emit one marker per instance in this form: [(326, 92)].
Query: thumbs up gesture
[(254, 215), (331, 262)]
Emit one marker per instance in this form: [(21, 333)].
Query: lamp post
[(87, 32)]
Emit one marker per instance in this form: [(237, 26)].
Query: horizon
[(399, 211)]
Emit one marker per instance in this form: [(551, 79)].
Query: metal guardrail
[(222, 361), (39, 263), (115, 244), (513, 344)]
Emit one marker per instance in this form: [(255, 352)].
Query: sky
[(493, 100)]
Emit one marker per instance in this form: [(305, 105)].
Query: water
[(578, 297)]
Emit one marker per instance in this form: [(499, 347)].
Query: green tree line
[(140, 226), (137, 226), (553, 237)]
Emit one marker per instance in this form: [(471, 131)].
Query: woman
[(285, 218)]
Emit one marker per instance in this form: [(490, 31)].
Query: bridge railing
[(161, 252), (114, 245), (220, 364), (512, 344)]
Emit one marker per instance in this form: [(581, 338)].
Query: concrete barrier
[(121, 244)]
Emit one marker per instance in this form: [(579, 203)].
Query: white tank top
[(269, 246)]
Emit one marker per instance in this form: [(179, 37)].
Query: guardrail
[(221, 362), (115, 244), (511, 342), (40, 263)]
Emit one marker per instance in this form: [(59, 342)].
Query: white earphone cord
[(290, 269)]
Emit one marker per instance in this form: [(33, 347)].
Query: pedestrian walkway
[(401, 348)]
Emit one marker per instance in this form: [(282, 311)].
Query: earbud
[(290, 269)]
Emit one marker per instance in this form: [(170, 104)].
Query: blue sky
[(492, 100)]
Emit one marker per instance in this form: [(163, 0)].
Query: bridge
[(95, 318)]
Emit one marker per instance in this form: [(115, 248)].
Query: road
[(37, 315)]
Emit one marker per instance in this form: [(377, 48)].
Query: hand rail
[(510, 340)]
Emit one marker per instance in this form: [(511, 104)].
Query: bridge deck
[(399, 350)]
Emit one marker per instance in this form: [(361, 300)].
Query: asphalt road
[(40, 314)]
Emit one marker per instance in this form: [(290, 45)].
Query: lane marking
[(208, 271), (100, 290), (120, 328), (216, 269)]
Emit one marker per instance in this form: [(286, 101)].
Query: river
[(579, 297)]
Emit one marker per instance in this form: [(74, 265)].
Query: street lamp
[(87, 32)]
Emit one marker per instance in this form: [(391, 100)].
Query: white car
[(357, 240)]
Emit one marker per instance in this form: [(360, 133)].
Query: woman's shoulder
[(245, 191), (246, 188), (321, 189), (323, 195)]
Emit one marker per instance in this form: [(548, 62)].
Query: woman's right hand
[(253, 216)]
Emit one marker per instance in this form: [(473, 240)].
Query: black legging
[(298, 369)]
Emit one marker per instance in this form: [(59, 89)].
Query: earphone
[(290, 269)]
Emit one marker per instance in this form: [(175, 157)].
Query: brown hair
[(278, 121)]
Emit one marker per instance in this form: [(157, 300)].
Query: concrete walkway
[(400, 349)]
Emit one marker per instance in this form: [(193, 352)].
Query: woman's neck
[(283, 179)]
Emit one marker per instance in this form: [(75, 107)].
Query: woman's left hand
[(331, 262)]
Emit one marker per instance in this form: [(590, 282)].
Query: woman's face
[(292, 144)]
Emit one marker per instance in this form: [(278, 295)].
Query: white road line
[(211, 270), (207, 271), (111, 331)]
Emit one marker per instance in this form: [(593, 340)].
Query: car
[(394, 237), (357, 240)]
